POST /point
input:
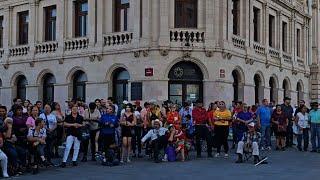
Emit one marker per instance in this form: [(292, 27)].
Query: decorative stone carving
[(91, 58), (136, 54), (32, 63), (209, 53), (6, 66), (145, 53), (186, 54), (226, 55), (99, 57), (164, 52), (268, 65), (61, 61), (294, 72)]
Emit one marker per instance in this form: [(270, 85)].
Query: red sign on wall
[(222, 73), (148, 71)]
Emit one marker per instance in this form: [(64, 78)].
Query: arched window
[(258, 89), (273, 89), (79, 85), (21, 87), (286, 90), (185, 83), (48, 88), (186, 13), (299, 92), (120, 84), (237, 86)]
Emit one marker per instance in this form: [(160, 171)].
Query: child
[(189, 131)]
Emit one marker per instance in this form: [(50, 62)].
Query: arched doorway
[(286, 88), (48, 88), (237, 86), (79, 85), (21, 84), (299, 92), (185, 83), (120, 84), (258, 88), (273, 89)]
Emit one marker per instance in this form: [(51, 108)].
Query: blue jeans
[(265, 136), (305, 136), (315, 133)]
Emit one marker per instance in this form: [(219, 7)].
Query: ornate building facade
[(181, 50)]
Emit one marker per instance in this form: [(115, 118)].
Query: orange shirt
[(173, 118)]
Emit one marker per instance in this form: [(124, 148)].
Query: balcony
[(19, 51), (259, 49), (76, 44), (238, 42), (187, 37), (274, 53), (118, 39), (47, 47), (287, 57)]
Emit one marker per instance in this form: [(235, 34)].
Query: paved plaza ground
[(289, 165)]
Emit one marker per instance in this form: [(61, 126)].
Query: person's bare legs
[(128, 148), (124, 147)]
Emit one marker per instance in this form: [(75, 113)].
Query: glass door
[(192, 92), (175, 93)]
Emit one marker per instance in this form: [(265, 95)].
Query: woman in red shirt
[(173, 117)]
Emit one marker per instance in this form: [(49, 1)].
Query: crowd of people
[(32, 135)]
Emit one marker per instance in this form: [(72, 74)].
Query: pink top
[(31, 121)]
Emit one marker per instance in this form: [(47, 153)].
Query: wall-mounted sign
[(148, 71), (222, 73)]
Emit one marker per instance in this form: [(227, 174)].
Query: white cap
[(125, 102), (157, 121), (251, 124)]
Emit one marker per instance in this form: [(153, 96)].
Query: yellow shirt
[(226, 114)]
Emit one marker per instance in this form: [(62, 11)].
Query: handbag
[(171, 154), (84, 134)]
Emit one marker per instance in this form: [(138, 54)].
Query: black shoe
[(210, 156), (140, 155), (299, 148), (283, 149), (74, 163), (84, 159), (35, 170), (239, 161), (277, 149), (157, 161), (198, 155), (93, 159), (63, 165), (134, 155)]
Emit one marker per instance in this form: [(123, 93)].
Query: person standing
[(33, 117), (314, 116), (302, 121), (51, 127), (92, 118), (73, 123), (288, 110), (222, 119), (128, 121), (264, 122), (60, 131), (199, 115), (280, 123)]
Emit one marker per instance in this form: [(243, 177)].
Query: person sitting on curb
[(249, 144), (159, 138)]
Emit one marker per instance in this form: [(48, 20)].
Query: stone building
[(182, 50)]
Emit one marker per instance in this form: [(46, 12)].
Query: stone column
[(92, 22), (146, 23), (201, 14), (60, 28), (100, 23), (109, 17), (61, 94), (69, 25), (33, 24), (155, 24), (164, 23), (7, 20), (250, 34), (135, 21), (32, 92), (266, 26), (210, 27)]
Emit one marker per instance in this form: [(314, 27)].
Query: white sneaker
[(128, 160), (5, 175), (165, 158), (217, 155), (269, 148), (262, 148), (226, 155)]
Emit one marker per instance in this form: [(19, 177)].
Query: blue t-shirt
[(109, 119), (264, 114), (246, 116)]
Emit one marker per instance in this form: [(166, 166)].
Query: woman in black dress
[(128, 121)]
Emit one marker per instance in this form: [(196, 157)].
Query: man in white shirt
[(51, 126), (158, 138)]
